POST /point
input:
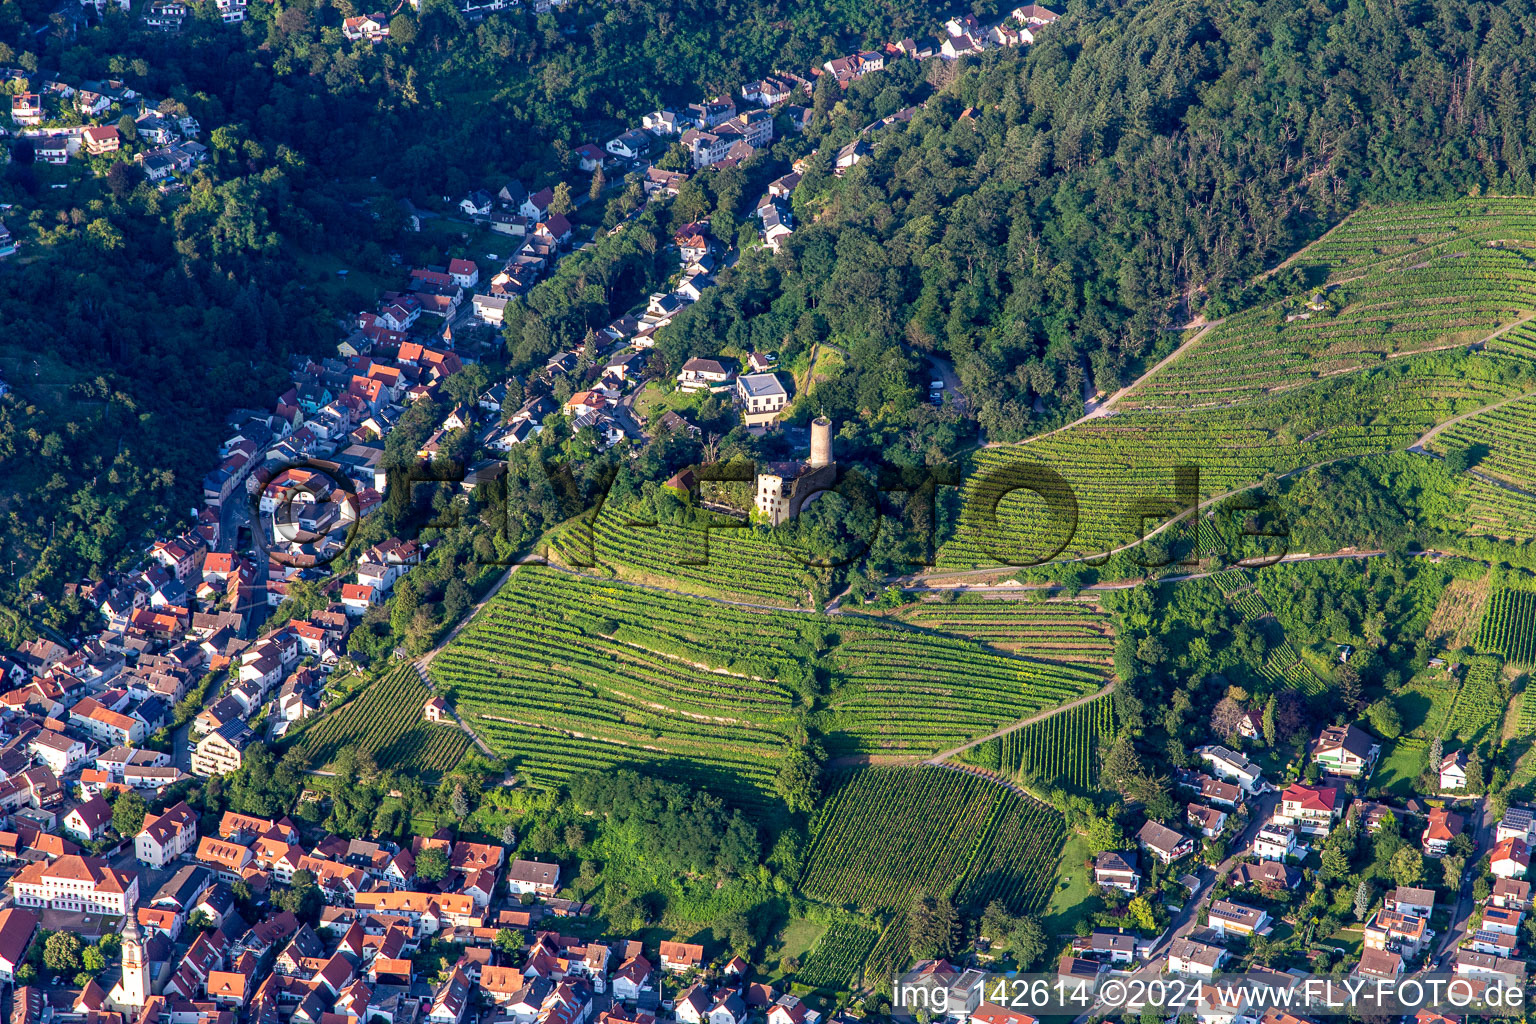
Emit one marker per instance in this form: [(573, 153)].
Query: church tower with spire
[(132, 991)]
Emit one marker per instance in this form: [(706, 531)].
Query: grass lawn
[(1398, 769), (1074, 896), (795, 939), (1352, 940), (798, 936), (653, 400)]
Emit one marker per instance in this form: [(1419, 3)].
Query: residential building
[(1499, 943), (1164, 843), (17, 927), (1400, 933), (1276, 842), (1504, 920), (679, 957), (1443, 827), (1225, 795), (107, 727), (1488, 966), (166, 836), (533, 876), (699, 374), (100, 139), (1453, 770), (1312, 809), (1510, 892), (1510, 858), (1517, 823), (760, 397), (75, 883), (1233, 767), (1207, 820), (1268, 875), (1346, 750), (1186, 956), (1229, 918), (1118, 870), (1411, 901), (1116, 946), (1380, 963), (88, 821), (633, 979), (223, 750), (59, 752)]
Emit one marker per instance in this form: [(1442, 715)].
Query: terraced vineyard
[(741, 562), (834, 964), (892, 953), (1509, 626), (567, 674), (1521, 341), (1081, 491), (885, 833), (1508, 437), (1061, 750), (1285, 667), (1230, 580), (1058, 630), (1250, 604), (1401, 235), (1410, 279), (1015, 861), (1525, 723), (1494, 511), (1480, 703), (386, 722)]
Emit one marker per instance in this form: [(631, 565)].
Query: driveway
[(944, 370), (624, 415), (1259, 809), (1461, 913), (1184, 922)]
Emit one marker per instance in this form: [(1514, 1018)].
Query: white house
[(1186, 956), (1228, 918), (165, 837), (1312, 809), (88, 822), (1276, 842), (1453, 770), (1164, 843), (1232, 766), (698, 374), (1411, 901), (1510, 859), (1517, 823), (59, 752), (634, 977), (1118, 870), (16, 930)]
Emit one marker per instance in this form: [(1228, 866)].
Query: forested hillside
[(1048, 214), (1041, 220), (135, 321)]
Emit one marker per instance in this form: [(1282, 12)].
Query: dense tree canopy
[(1044, 218)]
